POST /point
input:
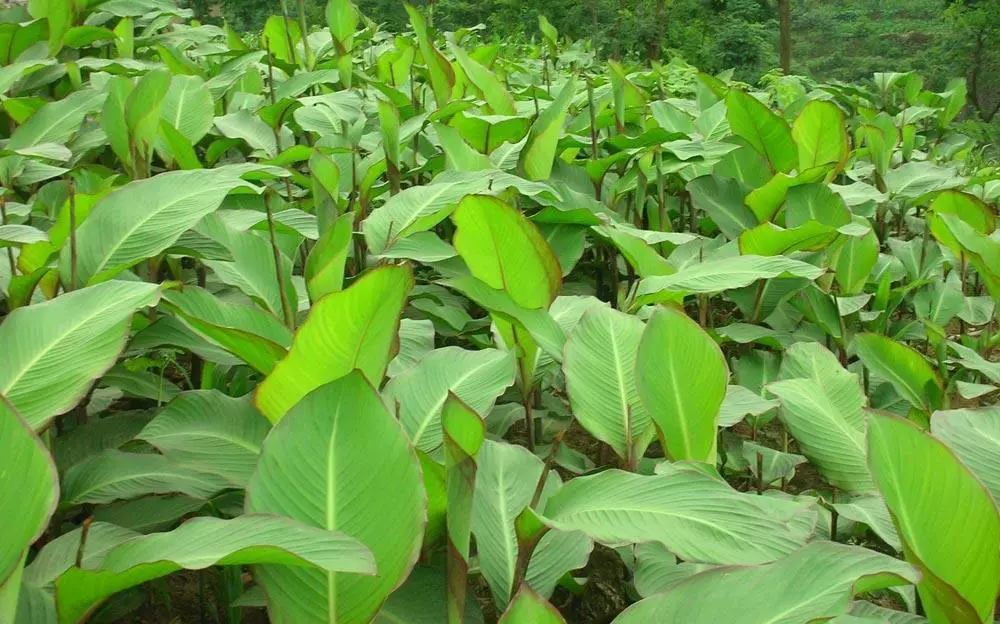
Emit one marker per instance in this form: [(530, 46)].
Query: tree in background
[(974, 45)]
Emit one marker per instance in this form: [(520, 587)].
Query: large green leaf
[(477, 378), (822, 406), (352, 329), (27, 476), (722, 274), (600, 368), (255, 336), (812, 584), (442, 75), (204, 542), (506, 251), (696, 516), (768, 133), (340, 461), (494, 92), (114, 475), (53, 351), (145, 217), (974, 435), (57, 122), (855, 260), (681, 378), (821, 136), (209, 431), (903, 367), (722, 200), (946, 519), (188, 107)]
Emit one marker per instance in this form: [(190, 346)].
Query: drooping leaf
[(340, 461), (201, 543), (974, 436), (814, 583), (946, 519), (681, 378), (722, 274), (907, 371), (78, 334), (366, 318)]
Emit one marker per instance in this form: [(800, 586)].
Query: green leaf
[(77, 336), (697, 517), (915, 179), (822, 406), (464, 432), (58, 121), (722, 200), (528, 607), (142, 108), (972, 360), (366, 316), (815, 202), (540, 150), (204, 542), (113, 475), (741, 402), (657, 569), (211, 432), (110, 432), (722, 274), (442, 75), (946, 519), (821, 136), (256, 337), (477, 378), (854, 262), (252, 129), (324, 270), (145, 217), (907, 371), (768, 239), (766, 132), (599, 364), (506, 251), (493, 91), (681, 378), (813, 584), (188, 107), (871, 510), (27, 476), (766, 201), (340, 461), (974, 436)]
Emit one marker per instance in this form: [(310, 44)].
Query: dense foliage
[(363, 326)]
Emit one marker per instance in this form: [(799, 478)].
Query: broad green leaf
[(28, 479), (12, 235), (528, 607), (981, 250), (494, 92), (822, 406), (968, 208), (188, 107), (278, 33), (142, 108), (416, 340), (543, 138), (972, 360), (150, 513), (855, 260), (464, 432), (204, 542), (768, 239), (974, 436), (324, 270), (907, 370), (722, 274), (813, 584), (946, 520), (871, 510), (53, 351), (422, 599), (101, 434), (766, 201), (506, 251), (505, 483), (600, 368), (58, 121), (366, 318), (340, 461), (722, 200), (820, 135), (766, 132), (145, 217), (657, 569), (209, 431), (257, 134), (681, 377), (815, 202), (256, 337), (696, 516), (477, 378), (915, 179), (741, 402), (114, 475)]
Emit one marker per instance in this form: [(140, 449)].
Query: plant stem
[(3, 221), (72, 237), (529, 419), (288, 32), (833, 514), (760, 473), (286, 306), (304, 27), (84, 531)]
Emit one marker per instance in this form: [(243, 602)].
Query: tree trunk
[(661, 30), (785, 19)]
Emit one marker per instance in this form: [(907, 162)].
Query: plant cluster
[(349, 321)]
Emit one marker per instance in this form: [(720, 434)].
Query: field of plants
[(408, 328)]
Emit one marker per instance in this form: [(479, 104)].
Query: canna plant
[(396, 327)]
